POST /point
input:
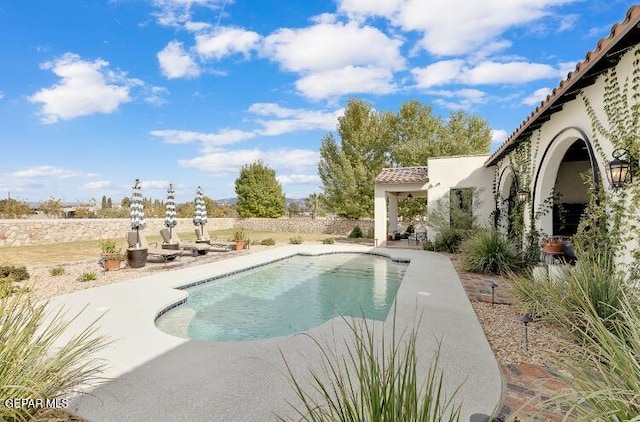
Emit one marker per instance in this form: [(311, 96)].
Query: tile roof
[(624, 35), (403, 175)]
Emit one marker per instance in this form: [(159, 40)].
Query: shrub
[(356, 233), (91, 276), (592, 284), (269, 242), (296, 240), (109, 246), (32, 368), (56, 271), (410, 229), (428, 245), (488, 252), (605, 377), (448, 240), (16, 273), (377, 380), (328, 241)]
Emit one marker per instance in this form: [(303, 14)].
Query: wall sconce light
[(620, 171), (523, 195)]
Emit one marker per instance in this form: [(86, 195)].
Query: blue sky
[(94, 94)]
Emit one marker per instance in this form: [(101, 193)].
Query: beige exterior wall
[(456, 173)]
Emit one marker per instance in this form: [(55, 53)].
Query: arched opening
[(572, 193)]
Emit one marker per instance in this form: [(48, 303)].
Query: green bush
[(16, 273), (91, 276), (356, 233), (448, 240), (56, 271), (32, 368), (378, 380), (428, 245), (370, 233), (268, 242), (296, 240), (488, 252), (410, 229), (328, 241)]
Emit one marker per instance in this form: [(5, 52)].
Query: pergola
[(392, 184)]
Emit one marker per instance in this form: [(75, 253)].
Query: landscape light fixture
[(493, 291), (619, 169), (526, 319)]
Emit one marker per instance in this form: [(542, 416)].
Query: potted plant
[(238, 237), (111, 256), (552, 244)]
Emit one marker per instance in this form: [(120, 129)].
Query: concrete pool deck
[(159, 377)]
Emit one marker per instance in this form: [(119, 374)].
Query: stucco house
[(562, 139)]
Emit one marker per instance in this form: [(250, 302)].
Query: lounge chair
[(419, 235), (216, 245), (194, 248), (164, 254)]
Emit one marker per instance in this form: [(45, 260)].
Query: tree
[(312, 203), (259, 193), (109, 203), (348, 170), (11, 208), (51, 207), (126, 202), (294, 209), (213, 209), (371, 140), (104, 202)]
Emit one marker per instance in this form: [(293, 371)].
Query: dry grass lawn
[(60, 253)]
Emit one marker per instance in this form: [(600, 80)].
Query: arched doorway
[(566, 159)]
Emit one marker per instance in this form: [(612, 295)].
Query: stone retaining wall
[(304, 225), (33, 232)]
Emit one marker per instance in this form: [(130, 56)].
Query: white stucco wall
[(557, 134), (448, 173), (386, 205)]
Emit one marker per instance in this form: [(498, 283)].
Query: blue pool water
[(286, 297)]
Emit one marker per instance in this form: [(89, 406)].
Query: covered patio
[(391, 185)]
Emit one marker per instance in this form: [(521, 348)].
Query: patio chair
[(216, 245), (194, 248), (419, 235), (164, 254)]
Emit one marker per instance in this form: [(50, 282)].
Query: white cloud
[(498, 136), (514, 72), (438, 73), (1, 95), (226, 162), (307, 179), (100, 184), (537, 96), (485, 73), (155, 95), (223, 42), (325, 46), (85, 88), (456, 26), (567, 22), (459, 99), (197, 26), (50, 171), (347, 80), (223, 137), (175, 62), (291, 120), (178, 12), (154, 184)]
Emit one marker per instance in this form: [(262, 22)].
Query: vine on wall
[(610, 221)]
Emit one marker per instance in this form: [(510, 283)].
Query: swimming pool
[(285, 297)]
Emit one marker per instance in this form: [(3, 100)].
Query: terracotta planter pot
[(111, 264), (239, 245), (553, 247)]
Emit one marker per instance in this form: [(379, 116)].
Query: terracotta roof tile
[(403, 175), (618, 31)]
